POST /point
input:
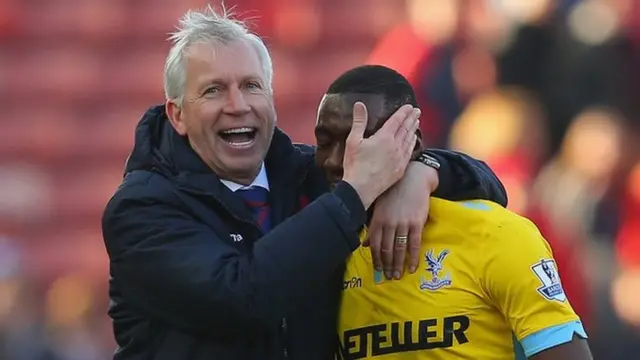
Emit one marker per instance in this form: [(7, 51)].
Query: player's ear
[(419, 146)]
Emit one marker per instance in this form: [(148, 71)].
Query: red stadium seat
[(11, 14), (35, 133), (60, 253), (109, 136), (83, 191), (58, 71), (154, 19), (135, 74), (345, 22), (90, 21)]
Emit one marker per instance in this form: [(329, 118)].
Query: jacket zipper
[(284, 323)]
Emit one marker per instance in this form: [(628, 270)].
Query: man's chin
[(238, 163)]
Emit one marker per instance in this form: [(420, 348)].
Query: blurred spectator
[(628, 242), (24, 193), (430, 24), (22, 331), (506, 128), (573, 58), (68, 304), (454, 41), (575, 186)]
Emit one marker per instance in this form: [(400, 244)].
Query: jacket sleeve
[(464, 178), (173, 269)]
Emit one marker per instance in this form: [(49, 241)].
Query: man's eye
[(253, 85), (212, 90), (322, 143)]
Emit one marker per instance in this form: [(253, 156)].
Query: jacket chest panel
[(238, 227)]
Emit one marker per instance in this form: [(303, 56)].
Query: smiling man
[(488, 286)]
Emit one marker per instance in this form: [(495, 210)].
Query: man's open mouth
[(239, 137)]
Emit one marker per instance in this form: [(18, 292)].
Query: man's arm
[(521, 278), (174, 269), (465, 178), (403, 210)]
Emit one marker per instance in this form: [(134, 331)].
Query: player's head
[(381, 89)]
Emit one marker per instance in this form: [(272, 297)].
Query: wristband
[(429, 161)]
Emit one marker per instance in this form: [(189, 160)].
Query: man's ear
[(419, 146), (174, 113)]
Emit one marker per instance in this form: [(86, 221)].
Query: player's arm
[(576, 349), (520, 277)]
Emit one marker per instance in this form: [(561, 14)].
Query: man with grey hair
[(224, 239)]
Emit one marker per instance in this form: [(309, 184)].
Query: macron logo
[(236, 237)]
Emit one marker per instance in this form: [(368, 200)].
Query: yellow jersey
[(486, 288)]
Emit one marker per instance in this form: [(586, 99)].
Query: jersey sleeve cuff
[(551, 337)]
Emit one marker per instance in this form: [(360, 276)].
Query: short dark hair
[(376, 79)]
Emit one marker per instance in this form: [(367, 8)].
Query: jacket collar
[(260, 181)]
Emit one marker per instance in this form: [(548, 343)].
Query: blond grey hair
[(208, 25)]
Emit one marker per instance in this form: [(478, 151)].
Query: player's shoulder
[(477, 212), (486, 220), (468, 207)]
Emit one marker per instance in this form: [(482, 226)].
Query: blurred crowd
[(545, 91)]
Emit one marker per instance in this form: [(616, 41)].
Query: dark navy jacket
[(182, 288)]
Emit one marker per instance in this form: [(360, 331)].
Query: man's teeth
[(239, 137), (243, 130), (242, 143)]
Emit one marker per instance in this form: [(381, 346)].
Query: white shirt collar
[(260, 181)]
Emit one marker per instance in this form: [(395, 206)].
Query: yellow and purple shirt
[(486, 288)]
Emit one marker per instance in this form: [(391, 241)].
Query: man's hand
[(402, 211), (374, 164)]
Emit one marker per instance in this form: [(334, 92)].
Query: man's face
[(228, 112), (333, 124)]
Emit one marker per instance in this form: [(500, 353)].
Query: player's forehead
[(336, 110), (343, 103)]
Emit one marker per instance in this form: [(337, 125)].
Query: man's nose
[(236, 102), (334, 161)]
